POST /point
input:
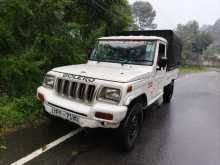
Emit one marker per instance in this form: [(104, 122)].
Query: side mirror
[(89, 53), (162, 63)]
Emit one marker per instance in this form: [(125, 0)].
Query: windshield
[(126, 52)]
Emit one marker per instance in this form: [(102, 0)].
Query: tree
[(36, 36), (144, 15), (98, 17), (214, 30), (187, 33), (194, 40), (201, 42)]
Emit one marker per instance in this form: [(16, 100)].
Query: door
[(160, 73)]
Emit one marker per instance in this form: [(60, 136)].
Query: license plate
[(64, 114)]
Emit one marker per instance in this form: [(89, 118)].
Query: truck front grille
[(75, 90)]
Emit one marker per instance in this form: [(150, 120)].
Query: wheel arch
[(140, 98)]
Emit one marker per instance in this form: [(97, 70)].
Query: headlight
[(49, 81), (110, 95)]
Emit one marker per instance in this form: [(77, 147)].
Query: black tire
[(168, 93), (131, 126)]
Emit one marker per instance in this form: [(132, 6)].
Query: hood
[(108, 71)]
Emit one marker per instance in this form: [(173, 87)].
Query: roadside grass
[(18, 112), (192, 69)]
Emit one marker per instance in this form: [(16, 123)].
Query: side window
[(162, 49)]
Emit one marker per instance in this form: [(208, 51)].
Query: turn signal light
[(40, 97), (105, 116), (130, 88)]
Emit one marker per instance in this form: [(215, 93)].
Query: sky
[(173, 12)]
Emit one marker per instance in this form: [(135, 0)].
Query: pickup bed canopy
[(174, 44)]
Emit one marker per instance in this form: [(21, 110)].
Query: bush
[(191, 69), (19, 111), (36, 36)]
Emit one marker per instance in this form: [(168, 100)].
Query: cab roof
[(133, 38)]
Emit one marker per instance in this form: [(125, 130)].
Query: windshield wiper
[(113, 60), (103, 60), (122, 62), (143, 61)]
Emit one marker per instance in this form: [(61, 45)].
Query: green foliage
[(194, 40), (214, 49), (17, 111), (34, 39), (201, 42), (144, 15), (36, 36), (111, 16), (39, 35), (192, 69), (215, 30), (20, 74)]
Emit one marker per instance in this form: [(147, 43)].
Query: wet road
[(187, 131)]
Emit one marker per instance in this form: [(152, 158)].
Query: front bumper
[(85, 113)]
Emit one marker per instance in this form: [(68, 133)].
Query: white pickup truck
[(123, 76)]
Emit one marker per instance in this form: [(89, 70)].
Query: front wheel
[(131, 126), (168, 92)]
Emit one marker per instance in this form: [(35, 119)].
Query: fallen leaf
[(2, 147)]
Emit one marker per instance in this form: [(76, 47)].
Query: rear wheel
[(131, 126), (168, 93)]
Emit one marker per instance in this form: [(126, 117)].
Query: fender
[(133, 96)]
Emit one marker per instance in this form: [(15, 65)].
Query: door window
[(161, 53)]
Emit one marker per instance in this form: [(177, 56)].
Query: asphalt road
[(185, 132)]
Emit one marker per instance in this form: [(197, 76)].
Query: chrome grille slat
[(91, 92), (66, 87), (81, 91), (62, 86), (59, 84), (69, 90), (85, 93), (75, 90)]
